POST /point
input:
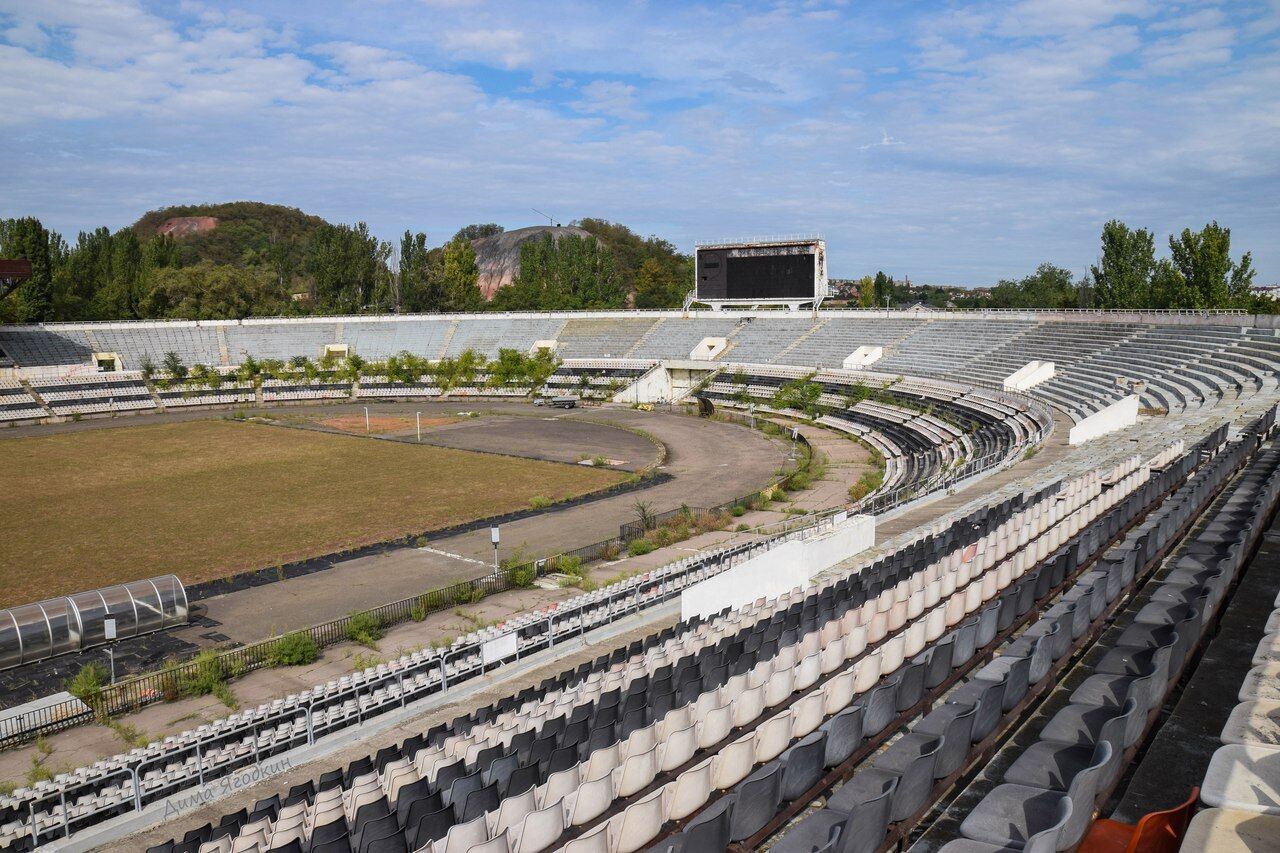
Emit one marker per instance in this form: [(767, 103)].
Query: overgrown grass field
[(206, 499)]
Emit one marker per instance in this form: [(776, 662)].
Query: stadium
[(790, 580)]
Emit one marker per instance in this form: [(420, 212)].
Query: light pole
[(494, 537), (419, 421), (366, 420)]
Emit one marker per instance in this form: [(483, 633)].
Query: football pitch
[(206, 499)]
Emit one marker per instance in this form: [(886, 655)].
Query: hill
[(240, 233), (498, 256)]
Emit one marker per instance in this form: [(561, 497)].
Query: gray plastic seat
[(1053, 766), (1046, 840), (987, 696), (954, 724), (803, 764), (844, 735), (911, 759), (708, 831), (1012, 815), (758, 798), (1010, 672), (880, 707), (832, 830), (1083, 725)]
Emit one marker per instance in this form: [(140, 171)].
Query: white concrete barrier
[(862, 357), (1029, 375), (709, 349), (779, 570), (1117, 416)]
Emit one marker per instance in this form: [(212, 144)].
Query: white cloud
[(1194, 49), (1028, 126), (610, 98), (505, 45)]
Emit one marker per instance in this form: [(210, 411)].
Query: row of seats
[(1047, 795), (103, 392), (17, 404), (107, 788), (1241, 783), (1177, 366), (781, 678), (905, 779)]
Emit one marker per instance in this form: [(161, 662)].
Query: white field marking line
[(453, 556)]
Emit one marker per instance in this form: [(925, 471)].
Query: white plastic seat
[(541, 829), (688, 792), (733, 763), (637, 825)]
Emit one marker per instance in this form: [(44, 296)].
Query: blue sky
[(954, 143)]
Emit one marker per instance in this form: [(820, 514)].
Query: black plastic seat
[(804, 764), (759, 796), (478, 802)]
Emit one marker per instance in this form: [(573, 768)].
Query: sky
[(956, 143)]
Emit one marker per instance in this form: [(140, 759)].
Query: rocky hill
[(238, 232), (498, 256)]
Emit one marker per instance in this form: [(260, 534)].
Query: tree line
[(1198, 274), (511, 369), (265, 260), (265, 263)]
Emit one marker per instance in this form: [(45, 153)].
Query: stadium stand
[(375, 340), (487, 335), (279, 339), (102, 392), (137, 343), (702, 726), (601, 338), (595, 378), (836, 716), (280, 390), (17, 404)]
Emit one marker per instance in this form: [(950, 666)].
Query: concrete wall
[(769, 575), (1120, 414), (1029, 375), (708, 349), (779, 570), (863, 356)]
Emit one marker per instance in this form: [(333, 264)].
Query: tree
[(1049, 287), (478, 231), (867, 292), (882, 288), (659, 285), (801, 395), (1169, 289), (460, 278), (174, 367), (1203, 258), (421, 280), (1122, 276), (28, 239), (564, 274), (346, 265), (209, 291), (650, 269)]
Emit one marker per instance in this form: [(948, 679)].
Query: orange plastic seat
[(1158, 832)]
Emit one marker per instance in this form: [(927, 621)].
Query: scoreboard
[(761, 272)]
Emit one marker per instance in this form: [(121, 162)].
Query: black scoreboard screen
[(730, 274)]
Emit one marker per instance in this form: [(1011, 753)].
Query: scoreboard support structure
[(788, 272)]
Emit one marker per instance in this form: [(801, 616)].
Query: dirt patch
[(380, 424)]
